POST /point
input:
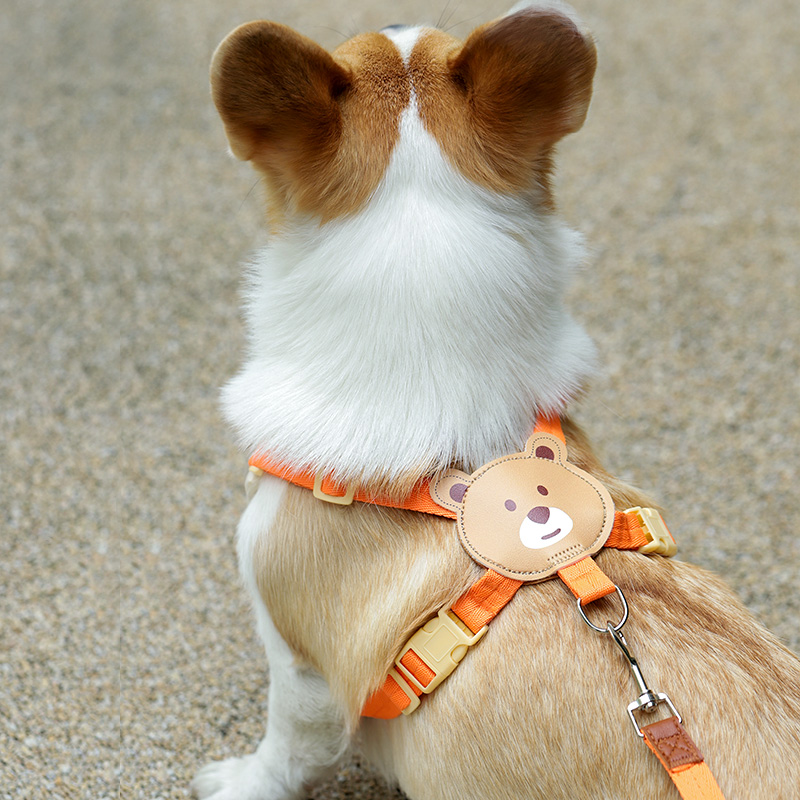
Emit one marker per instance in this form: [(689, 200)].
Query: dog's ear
[(527, 78), (276, 93), (448, 489)]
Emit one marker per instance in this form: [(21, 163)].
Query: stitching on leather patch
[(563, 555), (672, 743)]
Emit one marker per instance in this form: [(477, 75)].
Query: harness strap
[(475, 609), (586, 580), (627, 533), (326, 489), (333, 492), (484, 600)]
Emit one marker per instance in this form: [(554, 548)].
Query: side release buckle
[(660, 539), (440, 644)]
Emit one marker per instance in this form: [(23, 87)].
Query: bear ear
[(543, 445), (276, 91), (448, 490), (527, 77)]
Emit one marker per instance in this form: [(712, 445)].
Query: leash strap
[(682, 760), (667, 739)]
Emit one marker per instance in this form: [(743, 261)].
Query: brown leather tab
[(669, 740)]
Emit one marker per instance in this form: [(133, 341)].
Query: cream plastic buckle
[(661, 542), (440, 643), (251, 481), (345, 500)]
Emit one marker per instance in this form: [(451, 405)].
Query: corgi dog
[(406, 324)]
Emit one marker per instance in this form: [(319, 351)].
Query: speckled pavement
[(127, 655)]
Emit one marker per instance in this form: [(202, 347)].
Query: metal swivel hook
[(648, 700)]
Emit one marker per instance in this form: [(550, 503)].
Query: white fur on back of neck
[(425, 330)]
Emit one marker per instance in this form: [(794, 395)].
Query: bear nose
[(540, 514)]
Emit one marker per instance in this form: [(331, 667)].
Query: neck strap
[(326, 489)]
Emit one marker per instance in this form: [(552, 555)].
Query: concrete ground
[(127, 655)]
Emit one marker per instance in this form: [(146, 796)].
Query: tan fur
[(347, 586)]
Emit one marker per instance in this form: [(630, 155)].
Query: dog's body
[(406, 317)]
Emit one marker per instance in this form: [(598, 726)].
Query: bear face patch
[(528, 514)]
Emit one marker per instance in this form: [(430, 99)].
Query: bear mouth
[(544, 526), (551, 535)]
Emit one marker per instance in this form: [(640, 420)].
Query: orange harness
[(436, 649)]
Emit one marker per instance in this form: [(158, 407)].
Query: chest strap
[(437, 648)]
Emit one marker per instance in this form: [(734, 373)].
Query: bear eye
[(511, 505), (542, 490)]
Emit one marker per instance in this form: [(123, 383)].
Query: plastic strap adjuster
[(661, 542), (340, 500), (413, 700)]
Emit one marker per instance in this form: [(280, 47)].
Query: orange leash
[(667, 739), (682, 760)]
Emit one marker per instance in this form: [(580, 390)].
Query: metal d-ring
[(616, 627)]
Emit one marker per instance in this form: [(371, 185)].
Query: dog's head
[(322, 126), (408, 312)]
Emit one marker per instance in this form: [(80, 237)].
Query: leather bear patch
[(528, 514)]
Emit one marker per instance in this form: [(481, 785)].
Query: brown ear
[(276, 92), (528, 79)]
